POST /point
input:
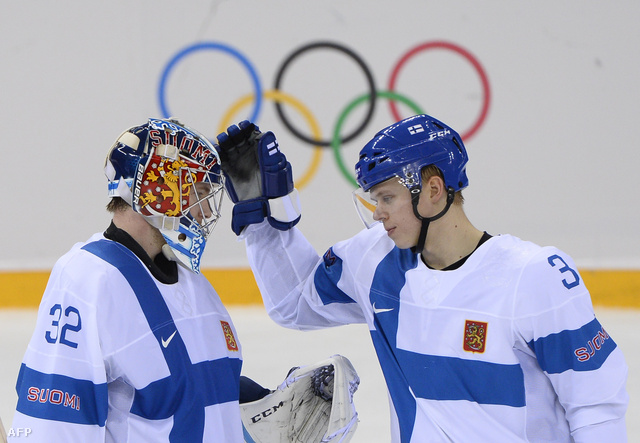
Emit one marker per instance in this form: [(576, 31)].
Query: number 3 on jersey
[(72, 323), (567, 284)]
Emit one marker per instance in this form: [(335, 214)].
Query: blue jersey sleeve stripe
[(583, 349), (326, 280), (61, 398)]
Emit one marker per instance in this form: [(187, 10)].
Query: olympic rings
[(278, 96), (335, 142), (357, 59), (371, 97), (464, 53), (216, 47)]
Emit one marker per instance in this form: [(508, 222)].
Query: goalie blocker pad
[(314, 404)]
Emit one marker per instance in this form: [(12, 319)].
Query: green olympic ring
[(369, 97), (336, 140)]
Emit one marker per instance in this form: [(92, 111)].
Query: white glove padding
[(314, 404)]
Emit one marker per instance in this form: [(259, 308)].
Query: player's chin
[(402, 243)]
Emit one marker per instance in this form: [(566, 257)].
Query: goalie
[(314, 404), (133, 344)]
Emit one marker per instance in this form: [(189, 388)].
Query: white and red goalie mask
[(171, 175)]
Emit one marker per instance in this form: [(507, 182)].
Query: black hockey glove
[(259, 179)]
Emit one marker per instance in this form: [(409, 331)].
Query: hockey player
[(480, 337), (132, 343)]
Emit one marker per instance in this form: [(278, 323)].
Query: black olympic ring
[(280, 97), (370, 82)]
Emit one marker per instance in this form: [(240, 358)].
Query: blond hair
[(431, 171)]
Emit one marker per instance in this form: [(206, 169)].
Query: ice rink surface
[(270, 351)]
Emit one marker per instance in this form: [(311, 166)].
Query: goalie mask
[(170, 174), (402, 150)]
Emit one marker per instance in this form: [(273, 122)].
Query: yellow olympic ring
[(279, 96)]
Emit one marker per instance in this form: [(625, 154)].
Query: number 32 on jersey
[(65, 322)]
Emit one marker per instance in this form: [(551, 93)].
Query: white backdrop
[(555, 161)]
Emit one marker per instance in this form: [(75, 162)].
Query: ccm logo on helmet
[(439, 134)]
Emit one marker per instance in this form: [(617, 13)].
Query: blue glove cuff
[(248, 212)]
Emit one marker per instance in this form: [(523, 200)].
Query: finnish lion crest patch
[(475, 336)]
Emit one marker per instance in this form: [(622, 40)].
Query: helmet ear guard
[(159, 168)]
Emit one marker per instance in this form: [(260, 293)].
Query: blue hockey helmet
[(171, 175), (404, 148)]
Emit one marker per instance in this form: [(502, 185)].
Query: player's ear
[(434, 188)]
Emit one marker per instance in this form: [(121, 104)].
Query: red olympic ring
[(464, 53), (316, 141)]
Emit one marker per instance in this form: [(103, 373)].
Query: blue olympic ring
[(371, 98), (216, 47)]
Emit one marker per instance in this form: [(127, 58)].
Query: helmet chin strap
[(422, 238)]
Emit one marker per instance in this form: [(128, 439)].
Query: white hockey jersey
[(117, 356), (506, 348)]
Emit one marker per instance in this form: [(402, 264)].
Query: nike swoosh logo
[(379, 310), (166, 342)]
